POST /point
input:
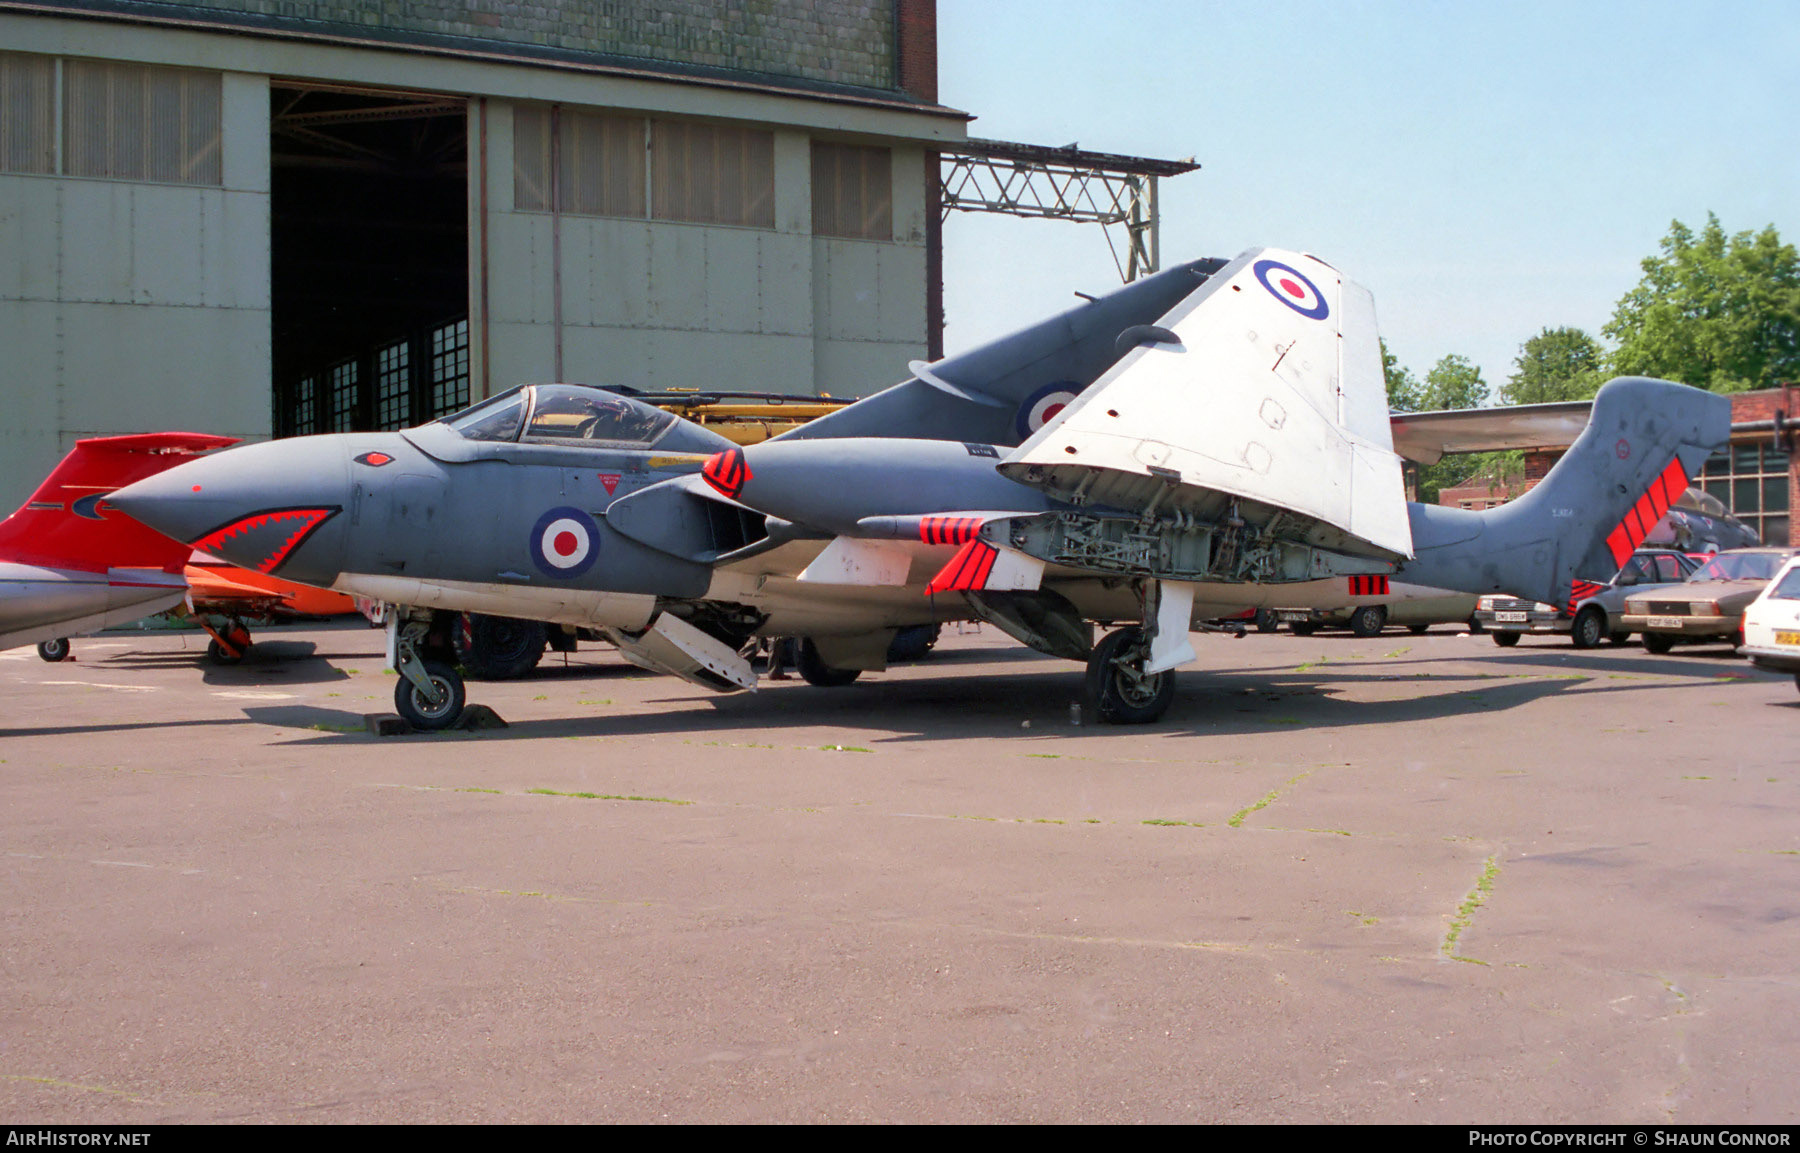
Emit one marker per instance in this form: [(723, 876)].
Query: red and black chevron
[(727, 471), (968, 569), (1581, 590), (1375, 585), (948, 529), (1664, 491)]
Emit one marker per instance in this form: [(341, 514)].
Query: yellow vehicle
[(743, 417)]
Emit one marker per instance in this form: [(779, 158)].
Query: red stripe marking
[(985, 563)]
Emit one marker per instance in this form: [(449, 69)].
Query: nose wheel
[(430, 693), (435, 705), (54, 650)]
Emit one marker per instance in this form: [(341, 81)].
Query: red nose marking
[(566, 543), (196, 488)]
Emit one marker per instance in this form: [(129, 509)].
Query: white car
[(1772, 624)]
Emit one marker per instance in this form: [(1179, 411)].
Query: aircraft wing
[(1261, 389)]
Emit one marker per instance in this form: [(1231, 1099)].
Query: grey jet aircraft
[(1212, 438)]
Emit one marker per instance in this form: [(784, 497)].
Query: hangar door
[(369, 257)]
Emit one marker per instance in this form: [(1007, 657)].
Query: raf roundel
[(1290, 286), (1042, 406), (565, 542)]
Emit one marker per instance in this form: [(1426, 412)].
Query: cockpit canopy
[(577, 415)]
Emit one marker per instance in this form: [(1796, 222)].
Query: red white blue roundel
[(1043, 405), (565, 542), (1290, 286)]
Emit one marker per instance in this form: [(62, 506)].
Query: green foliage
[(1556, 364), (1718, 313), (1403, 389), (1453, 383)]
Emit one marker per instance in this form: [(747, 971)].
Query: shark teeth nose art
[(263, 540)]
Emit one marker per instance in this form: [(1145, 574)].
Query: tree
[(1453, 383), (1556, 364), (1403, 388), (1718, 313)]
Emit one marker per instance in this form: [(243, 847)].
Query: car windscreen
[(1739, 566)]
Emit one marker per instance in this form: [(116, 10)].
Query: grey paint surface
[(222, 906)]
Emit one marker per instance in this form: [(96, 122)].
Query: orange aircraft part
[(215, 586)]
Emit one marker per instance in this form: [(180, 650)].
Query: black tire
[(1589, 628), (54, 651), (1737, 639), (1475, 625), (1658, 643), (1618, 638), (816, 672), (218, 654), (497, 648), (1506, 640), (1265, 621), (1303, 628), (1418, 630), (1114, 693), (1797, 680), (913, 643), (1368, 621), (419, 713)]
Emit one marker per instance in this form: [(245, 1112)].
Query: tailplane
[(67, 522), (1644, 440)]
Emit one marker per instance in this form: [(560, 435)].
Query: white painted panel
[(733, 278), (617, 275), (608, 356), (846, 287), (677, 289), (244, 124), (520, 354), (909, 196), (134, 368), (237, 253), (793, 182), (785, 296), (29, 215), (861, 367), (519, 269), (902, 287)]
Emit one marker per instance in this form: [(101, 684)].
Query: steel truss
[(1031, 180)]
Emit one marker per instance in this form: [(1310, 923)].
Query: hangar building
[(272, 217)]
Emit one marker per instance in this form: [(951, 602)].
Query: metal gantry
[(1032, 180)]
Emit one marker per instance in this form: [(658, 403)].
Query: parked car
[(1772, 624), (1415, 606), (1709, 605), (1595, 617)]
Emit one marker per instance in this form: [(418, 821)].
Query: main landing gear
[(230, 640), (1131, 674), (54, 650)]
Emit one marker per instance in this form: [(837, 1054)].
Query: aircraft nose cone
[(727, 471), (270, 507)]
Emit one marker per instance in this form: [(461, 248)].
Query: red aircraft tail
[(67, 522)]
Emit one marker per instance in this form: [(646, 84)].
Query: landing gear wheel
[(1658, 643), (419, 712), (1117, 689), (1588, 629), (238, 638), (817, 672), (53, 651), (497, 648), (1368, 620), (1506, 640)]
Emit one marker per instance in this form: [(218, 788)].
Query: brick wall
[(849, 42)]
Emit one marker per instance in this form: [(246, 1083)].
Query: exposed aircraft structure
[(70, 563), (1209, 439)]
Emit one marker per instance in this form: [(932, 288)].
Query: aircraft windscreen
[(572, 414), (498, 418)]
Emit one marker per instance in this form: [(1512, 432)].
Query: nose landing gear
[(430, 693)]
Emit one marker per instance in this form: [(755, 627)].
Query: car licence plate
[(1512, 618), (1787, 638), (1664, 622), (1292, 615)]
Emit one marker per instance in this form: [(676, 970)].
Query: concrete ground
[(1399, 879)]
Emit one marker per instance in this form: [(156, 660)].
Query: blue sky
[(1487, 170)]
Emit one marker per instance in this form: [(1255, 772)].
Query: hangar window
[(592, 164), (709, 174), (27, 113), (135, 122), (599, 162), (852, 191)]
